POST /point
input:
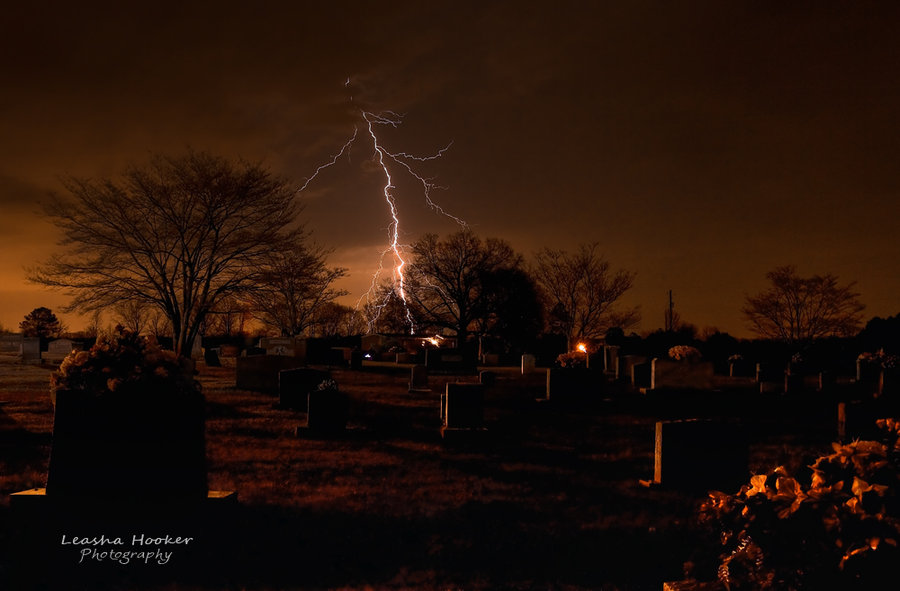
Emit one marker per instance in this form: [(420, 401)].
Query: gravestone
[(450, 360), (856, 418), (294, 386), (740, 369), (260, 372), (770, 377), (528, 364), (827, 381), (211, 357), (574, 384), (405, 358), (197, 348), (31, 350), (626, 363), (611, 360), (700, 455), (11, 344), (490, 359), (229, 350), (327, 411), (667, 374), (641, 375), (57, 350), (794, 377), (418, 379), (284, 346), (462, 406), (145, 445)]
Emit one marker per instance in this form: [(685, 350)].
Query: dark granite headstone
[(462, 406), (295, 384), (700, 455), (327, 411)]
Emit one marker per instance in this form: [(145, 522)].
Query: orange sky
[(701, 144)]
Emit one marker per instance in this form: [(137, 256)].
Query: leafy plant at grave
[(844, 526), (880, 358), (572, 359), (684, 353), (124, 362)]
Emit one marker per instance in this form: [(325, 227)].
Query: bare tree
[(582, 291), (228, 318), (800, 309), (446, 280), (292, 288), (180, 234), (133, 315)]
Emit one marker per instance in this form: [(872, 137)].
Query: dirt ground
[(549, 498)]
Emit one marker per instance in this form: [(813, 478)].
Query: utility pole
[(670, 314)]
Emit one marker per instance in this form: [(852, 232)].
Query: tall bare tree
[(446, 283), (293, 286), (582, 291), (800, 309), (180, 234)]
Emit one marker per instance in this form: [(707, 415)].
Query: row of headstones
[(327, 408)]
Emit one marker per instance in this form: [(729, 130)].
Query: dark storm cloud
[(701, 143)]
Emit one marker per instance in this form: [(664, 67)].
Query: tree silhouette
[(41, 322), (180, 235), (582, 290), (800, 309), (448, 282), (292, 288)]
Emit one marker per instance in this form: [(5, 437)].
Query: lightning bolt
[(383, 157)]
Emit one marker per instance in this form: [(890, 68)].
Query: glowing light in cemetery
[(435, 340), (581, 347)]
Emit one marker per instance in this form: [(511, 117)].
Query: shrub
[(844, 526)]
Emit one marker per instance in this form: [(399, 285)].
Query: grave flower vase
[(138, 445)]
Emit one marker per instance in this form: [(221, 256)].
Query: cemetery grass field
[(548, 498)]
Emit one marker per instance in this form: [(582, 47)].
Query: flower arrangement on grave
[(685, 353), (843, 526), (327, 385), (572, 359), (879, 359), (121, 364)]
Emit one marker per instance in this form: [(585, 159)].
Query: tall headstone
[(528, 364), (31, 350), (611, 360), (418, 379)]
